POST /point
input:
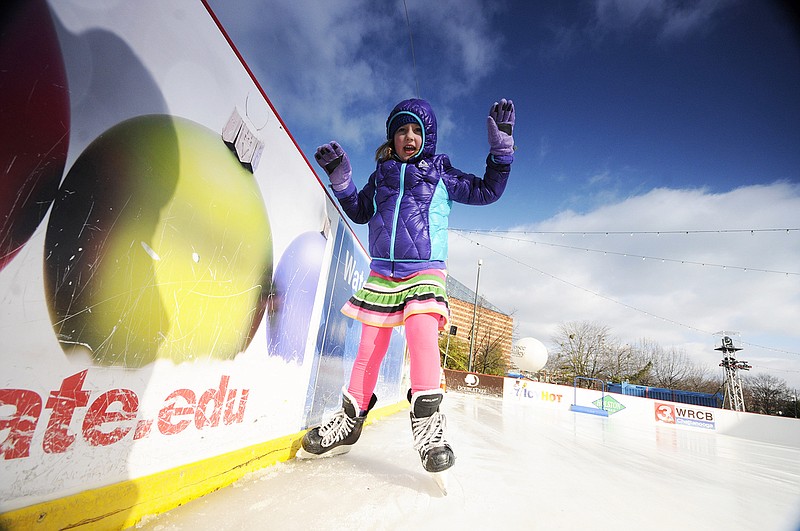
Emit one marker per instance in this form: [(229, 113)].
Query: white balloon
[(529, 354)]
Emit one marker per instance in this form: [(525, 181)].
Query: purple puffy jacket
[(407, 204)]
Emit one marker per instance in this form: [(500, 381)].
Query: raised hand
[(500, 127), (332, 158)]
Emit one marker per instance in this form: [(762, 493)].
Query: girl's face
[(407, 141)]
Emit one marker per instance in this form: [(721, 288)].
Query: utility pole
[(474, 315), (453, 331), (734, 397)]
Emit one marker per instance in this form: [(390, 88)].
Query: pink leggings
[(422, 338)]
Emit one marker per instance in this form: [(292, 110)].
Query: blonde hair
[(384, 152)]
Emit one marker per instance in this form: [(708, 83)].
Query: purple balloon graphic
[(294, 289)]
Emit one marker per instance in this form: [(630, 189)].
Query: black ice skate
[(337, 435), (427, 426)]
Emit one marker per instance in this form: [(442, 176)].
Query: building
[(491, 323)]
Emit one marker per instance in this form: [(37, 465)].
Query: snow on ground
[(520, 467)]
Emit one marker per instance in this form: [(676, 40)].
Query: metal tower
[(734, 398)]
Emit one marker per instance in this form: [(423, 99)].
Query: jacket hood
[(419, 111)]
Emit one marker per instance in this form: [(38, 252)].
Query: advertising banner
[(474, 383), (164, 250), (338, 337)]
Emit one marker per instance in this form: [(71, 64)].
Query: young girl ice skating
[(406, 202)]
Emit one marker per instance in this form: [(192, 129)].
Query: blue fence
[(672, 395)]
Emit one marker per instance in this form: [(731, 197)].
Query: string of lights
[(498, 234), (612, 300), (629, 232)]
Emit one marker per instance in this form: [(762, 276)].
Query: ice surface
[(518, 467)]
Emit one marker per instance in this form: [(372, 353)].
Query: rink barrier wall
[(652, 414), (123, 505), (124, 389), (649, 413)]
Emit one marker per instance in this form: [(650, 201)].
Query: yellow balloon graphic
[(158, 246)]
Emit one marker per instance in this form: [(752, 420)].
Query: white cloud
[(463, 29), (599, 177), (673, 303), (564, 41), (339, 66), (665, 20), (682, 21), (672, 19), (544, 148)]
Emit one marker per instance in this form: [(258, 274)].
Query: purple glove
[(500, 125), (334, 161)]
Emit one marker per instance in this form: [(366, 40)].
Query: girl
[(406, 202)]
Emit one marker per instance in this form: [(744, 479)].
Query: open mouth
[(409, 150)]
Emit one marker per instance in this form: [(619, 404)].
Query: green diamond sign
[(611, 404)]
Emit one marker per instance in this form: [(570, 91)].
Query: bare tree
[(587, 349), (790, 405), (489, 355), (702, 380), (490, 348), (671, 368), (580, 350), (767, 393), (456, 352), (624, 363)]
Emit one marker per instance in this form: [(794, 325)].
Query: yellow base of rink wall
[(124, 504)]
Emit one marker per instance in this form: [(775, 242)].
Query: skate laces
[(428, 431), (337, 428)]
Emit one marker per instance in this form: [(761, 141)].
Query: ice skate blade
[(339, 450), (441, 480)]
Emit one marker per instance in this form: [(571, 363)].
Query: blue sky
[(632, 116)]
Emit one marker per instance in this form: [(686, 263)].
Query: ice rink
[(518, 467)]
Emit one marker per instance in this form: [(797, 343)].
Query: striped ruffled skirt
[(387, 301)]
